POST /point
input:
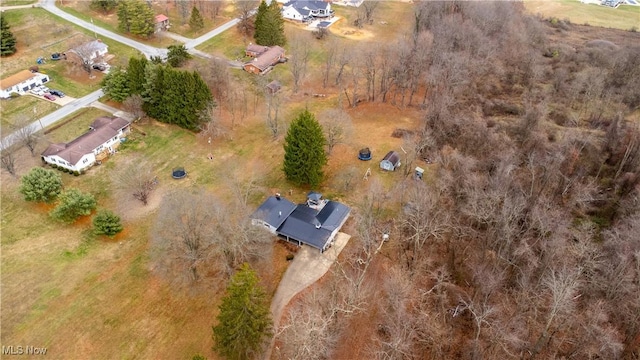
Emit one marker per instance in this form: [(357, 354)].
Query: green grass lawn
[(17, 2), (13, 110), (75, 124), (157, 41), (230, 44), (624, 17)]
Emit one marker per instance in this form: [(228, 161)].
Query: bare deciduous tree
[(212, 126), (137, 180), (300, 51), (27, 134), (274, 120), (133, 105), (7, 156), (184, 235), (336, 125), (245, 9)]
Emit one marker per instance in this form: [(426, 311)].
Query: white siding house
[(21, 82), (305, 10), (81, 153)]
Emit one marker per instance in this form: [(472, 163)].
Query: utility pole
[(94, 29)]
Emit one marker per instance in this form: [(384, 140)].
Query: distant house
[(306, 10), (315, 223), (391, 161), (264, 58), (21, 82), (162, 23), (89, 52), (96, 144)]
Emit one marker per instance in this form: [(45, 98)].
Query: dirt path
[(307, 267)]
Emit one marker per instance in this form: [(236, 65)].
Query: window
[(85, 161)]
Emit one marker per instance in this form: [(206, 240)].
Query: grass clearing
[(230, 43), (13, 110), (17, 2), (624, 17)]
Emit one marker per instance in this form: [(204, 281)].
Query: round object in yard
[(364, 154), (179, 173)]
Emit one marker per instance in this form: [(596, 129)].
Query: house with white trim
[(315, 223), (99, 142), (306, 10), (21, 83)]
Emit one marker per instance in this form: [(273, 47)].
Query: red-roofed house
[(162, 23), (101, 140), (264, 58)]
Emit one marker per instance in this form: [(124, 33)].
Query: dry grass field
[(83, 296)]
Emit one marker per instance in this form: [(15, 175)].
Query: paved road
[(53, 117), (147, 50), (3, 8), (217, 31)]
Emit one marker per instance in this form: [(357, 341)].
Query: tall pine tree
[(165, 100), (304, 154), (136, 17), (244, 321), (196, 22), (116, 85), (136, 74), (269, 25), (8, 40)]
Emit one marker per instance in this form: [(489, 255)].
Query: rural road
[(53, 117), (307, 267), (148, 51)]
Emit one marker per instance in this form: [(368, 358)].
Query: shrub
[(73, 204), (106, 223), (289, 257), (41, 185), (76, 173)]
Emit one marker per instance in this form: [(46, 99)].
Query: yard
[(24, 108), (88, 297), (76, 294), (624, 17)]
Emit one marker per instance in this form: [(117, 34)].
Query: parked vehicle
[(100, 67), (43, 88), (57, 93), (37, 91), (49, 97), (58, 56)]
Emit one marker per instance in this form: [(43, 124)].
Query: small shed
[(161, 23), (391, 161), (273, 87)]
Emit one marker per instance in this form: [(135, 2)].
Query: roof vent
[(278, 196), (318, 226), (279, 213)]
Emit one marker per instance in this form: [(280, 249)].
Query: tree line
[(160, 92)]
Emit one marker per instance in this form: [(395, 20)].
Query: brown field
[(623, 17)]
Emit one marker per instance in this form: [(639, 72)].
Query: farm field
[(623, 18)]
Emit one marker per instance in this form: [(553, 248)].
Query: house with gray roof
[(102, 139), (306, 10), (314, 223)]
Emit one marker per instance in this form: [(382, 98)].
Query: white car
[(43, 88), (37, 91)]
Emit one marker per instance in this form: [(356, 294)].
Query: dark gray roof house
[(315, 226)]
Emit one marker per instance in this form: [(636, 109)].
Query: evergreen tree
[(7, 39), (269, 25), (196, 22), (124, 16), (73, 204), (116, 85), (244, 321), (142, 19), (104, 6), (136, 75), (258, 24), (165, 100), (304, 154), (106, 223), (177, 55), (136, 17), (41, 185)]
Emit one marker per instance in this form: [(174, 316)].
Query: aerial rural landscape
[(306, 179)]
